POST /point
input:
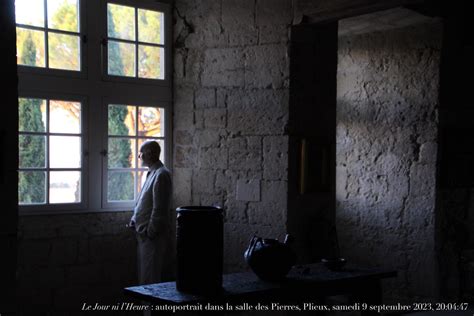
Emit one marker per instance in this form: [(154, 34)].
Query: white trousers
[(151, 259)]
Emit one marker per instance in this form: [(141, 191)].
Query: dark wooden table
[(304, 283)]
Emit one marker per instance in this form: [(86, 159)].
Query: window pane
[(150, 26), (65, 117), (30, 47), (32, 150), (31, 187), (65, 187), (151, 121), (121, 59), (120, 186), (31, 115), (121, 153), (62, 15), (150, 63), (65, 151), (120, 21), (121, 120), (30, 12), (64, 51), (141, 179), (160, 141)]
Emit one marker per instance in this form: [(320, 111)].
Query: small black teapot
[(270, 259)]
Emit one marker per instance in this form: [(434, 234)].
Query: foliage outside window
[(50, 166), (135, 42), (48, 34), (129, 127), (61, 167)]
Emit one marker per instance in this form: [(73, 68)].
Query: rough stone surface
[(76, 257), (231, 78), (386, 153)]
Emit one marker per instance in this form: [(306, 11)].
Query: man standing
[(151, 217)]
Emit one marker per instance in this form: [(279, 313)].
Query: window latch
[(103, 152)]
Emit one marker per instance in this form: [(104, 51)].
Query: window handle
[(84, 39), (103, 152)]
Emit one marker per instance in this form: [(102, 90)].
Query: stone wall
[(386, 154), (230, 110), (67, 260)]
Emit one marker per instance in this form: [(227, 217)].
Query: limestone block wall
[(231, 81), (67, 260), (386, 153)]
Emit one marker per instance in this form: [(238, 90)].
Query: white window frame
[(155, 6), (23, 69), (95, 90), (165, 152)]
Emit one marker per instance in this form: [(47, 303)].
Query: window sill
[(26, 212)]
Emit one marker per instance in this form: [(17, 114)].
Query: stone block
[(235, 211), (182, 178), (184, 120), (204, 17), (183, 138), (208, 138), (221, 98), (248, 190), (275, 157), (223, 67), (245, 153), (274, 12), (63, 251), (273, 34), (215, 118), (189, 67), (262, 112), (205, 98), (266, 66), (238, 22), (213, 158), (203, 181), (183, 99), (34, 251), (185, 157)]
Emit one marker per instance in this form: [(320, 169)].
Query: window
[(135, 42), (129, 127), (48, 34), (50, 164), (82, 120)]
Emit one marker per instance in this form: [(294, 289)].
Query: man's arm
[(159, 219)]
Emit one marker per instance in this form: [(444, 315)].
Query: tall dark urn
[(199, 242)]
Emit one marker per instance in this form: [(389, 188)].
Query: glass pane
[(121, 153), (65, 117), (150, 62), (65, 187), (121, 120), (151, 121), (150, 26), (64, 52), (120, 21), (32, 151), (141, 179), (31, 115), (63, 15), (29, 12), (65, 151), (31, 187), (121, 59), (120, 186), (160, 142), (30, 47)]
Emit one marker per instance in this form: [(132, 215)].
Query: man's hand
[(131, 225)]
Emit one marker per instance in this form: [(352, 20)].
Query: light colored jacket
[(152, 213)]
